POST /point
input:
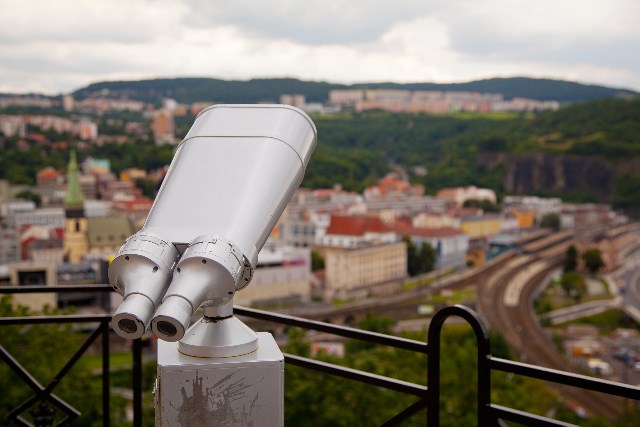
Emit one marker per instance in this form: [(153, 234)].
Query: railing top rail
[(355, 374), (54, 288), (566, 378), (344, 331), (69, 318)]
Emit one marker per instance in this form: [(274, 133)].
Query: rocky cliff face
[(535, 172)]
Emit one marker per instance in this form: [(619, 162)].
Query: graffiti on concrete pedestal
[(227, 402)]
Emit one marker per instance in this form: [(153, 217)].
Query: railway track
[(506, 303), (515, 319)]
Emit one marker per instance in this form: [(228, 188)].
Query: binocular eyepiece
[(209, 274), (141, 272)]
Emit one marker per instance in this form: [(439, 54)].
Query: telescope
[(227, 185)]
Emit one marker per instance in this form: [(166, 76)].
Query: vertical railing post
[(106, 376), (433, 367), (137, 383), (433, 372)]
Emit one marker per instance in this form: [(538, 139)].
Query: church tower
[(76, 240)]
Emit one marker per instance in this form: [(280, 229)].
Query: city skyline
[(59, 47)]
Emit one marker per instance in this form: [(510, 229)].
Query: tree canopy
[(593, 260)]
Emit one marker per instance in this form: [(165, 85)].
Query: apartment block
[(357, 273), (282, 277)]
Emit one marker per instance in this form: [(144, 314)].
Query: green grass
[(554, 298), (460, 296), (116, 360), (607, 321)]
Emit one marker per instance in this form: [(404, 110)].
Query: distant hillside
[(521, 87), (212, 90), (269, 90), (584, 152)]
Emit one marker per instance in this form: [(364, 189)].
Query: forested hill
[(521, 87), (584, 152), (269, 90)]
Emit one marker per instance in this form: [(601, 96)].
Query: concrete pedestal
[(247, 390)]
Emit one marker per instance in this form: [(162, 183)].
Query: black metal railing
[(489, 414), (44, 402)]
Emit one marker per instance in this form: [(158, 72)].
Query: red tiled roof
[(395, 184), (48, 172), (403, 223), (356, 225), (428, 232), (138, 204)]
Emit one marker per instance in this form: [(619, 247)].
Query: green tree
[(43, 350), (317, 261), (593, 260), (316, 399), (427, 258), (30, 195), (149, 187), (550, 220), (574, 285), (413, 263), (571, 260), (485, 205), (421, 260), (372, 323)]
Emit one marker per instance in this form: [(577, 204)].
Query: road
[(628, 279)]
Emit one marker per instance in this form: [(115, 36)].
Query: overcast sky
[(56, 46)]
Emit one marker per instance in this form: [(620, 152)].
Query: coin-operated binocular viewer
[(229, 181)]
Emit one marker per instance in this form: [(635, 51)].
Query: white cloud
[(312, 22), (87, 22), (542, 25), (63, 45)]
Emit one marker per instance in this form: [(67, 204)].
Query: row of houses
[(360, 236), (16, 125)]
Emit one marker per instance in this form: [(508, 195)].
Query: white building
[(297, 232), (12, 126), (539, 205), (95, 208), (9, 247), (53, 217), (10, 208), (282, 277), (450, 244), (459, 195), (370, 270), (356, 231)]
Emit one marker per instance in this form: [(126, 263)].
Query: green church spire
[(73, 200)]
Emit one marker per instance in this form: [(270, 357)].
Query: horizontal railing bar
[(566, 378), (354, 374), (344, 331), (54, 288), (71, 318), (525, 417)]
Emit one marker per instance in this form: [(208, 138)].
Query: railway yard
[(503, 291)]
